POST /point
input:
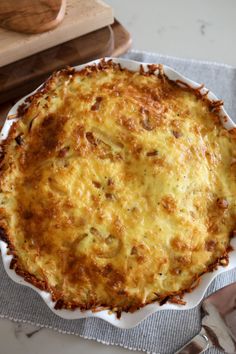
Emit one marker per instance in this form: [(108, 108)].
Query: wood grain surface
[(26, 74), (122, 39), (81, 17), (31, 16)]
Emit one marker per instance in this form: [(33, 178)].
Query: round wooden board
[(31, 16)]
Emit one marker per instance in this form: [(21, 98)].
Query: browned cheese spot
[(169, 204), (96, 105), (222, 203), (152, 153)]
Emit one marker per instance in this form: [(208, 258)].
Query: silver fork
[(218, 323)]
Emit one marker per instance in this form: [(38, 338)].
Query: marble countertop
[(202, 29)]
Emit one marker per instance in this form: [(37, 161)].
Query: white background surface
[(199, 29), (202, 29)]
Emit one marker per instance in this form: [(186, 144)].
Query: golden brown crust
[(123, 134)]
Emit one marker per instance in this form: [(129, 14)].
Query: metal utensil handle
[(197, 345)]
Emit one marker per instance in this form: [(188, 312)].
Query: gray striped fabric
[(160, 333)]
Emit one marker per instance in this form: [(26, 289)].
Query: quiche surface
[(117, 188)]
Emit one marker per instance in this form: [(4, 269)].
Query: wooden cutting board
[(18, 79), (31, 16), (28, 73), (81, 17)]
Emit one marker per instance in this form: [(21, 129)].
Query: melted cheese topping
[(117, 188)]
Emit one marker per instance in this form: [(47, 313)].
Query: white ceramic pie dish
[(127, 320)]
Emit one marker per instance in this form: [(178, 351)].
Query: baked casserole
[(117, 188)]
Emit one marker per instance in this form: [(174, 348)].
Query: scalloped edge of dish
[(127, 320)]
